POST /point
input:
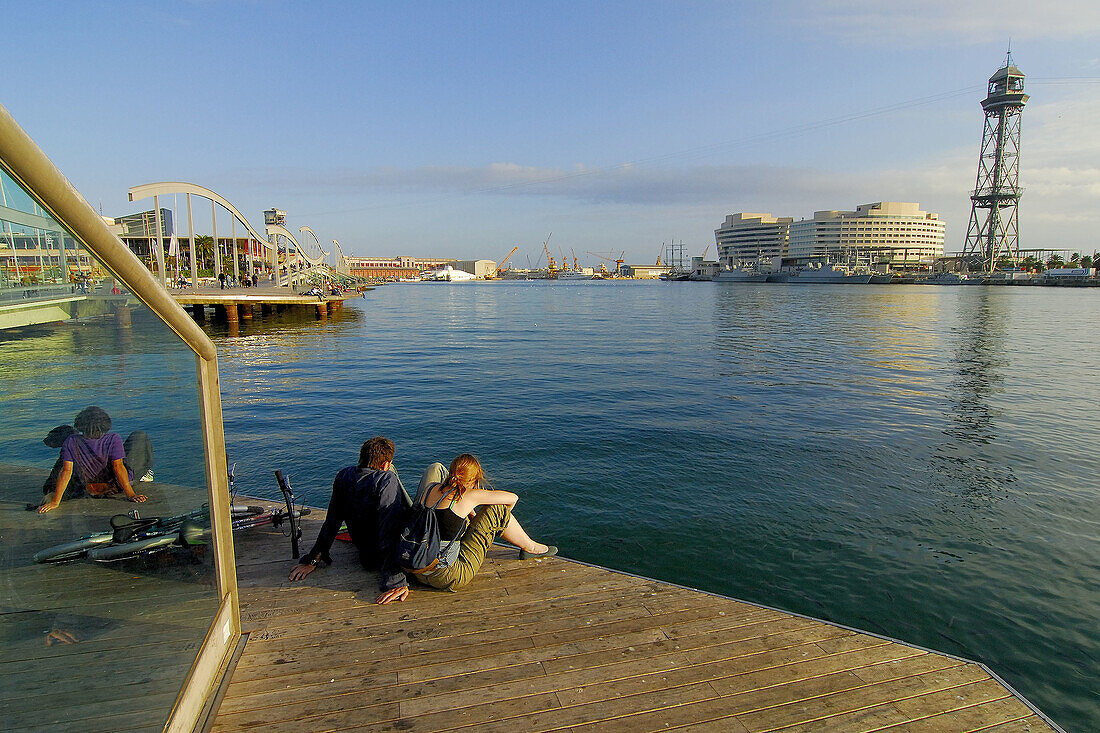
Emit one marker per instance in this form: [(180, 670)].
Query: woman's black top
[(450, 524)]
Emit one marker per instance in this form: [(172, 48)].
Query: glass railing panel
[(94, 644)]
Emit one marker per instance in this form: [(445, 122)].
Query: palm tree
[(204, 251)]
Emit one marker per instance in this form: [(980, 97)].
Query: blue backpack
[(418, 545)]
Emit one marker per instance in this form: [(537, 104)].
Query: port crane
[(553, 266), (618, 262), (500, 267)]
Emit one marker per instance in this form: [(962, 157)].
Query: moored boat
[(749, 272), (830, 274)]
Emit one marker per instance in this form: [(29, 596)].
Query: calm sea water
[(916, 461)]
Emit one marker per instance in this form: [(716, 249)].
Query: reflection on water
[(968, 467)]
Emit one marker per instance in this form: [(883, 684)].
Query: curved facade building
[(891, 235), (745, 237)]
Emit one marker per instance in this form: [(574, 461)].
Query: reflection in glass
[(107, 644)]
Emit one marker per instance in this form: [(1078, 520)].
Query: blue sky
[(464, 129)]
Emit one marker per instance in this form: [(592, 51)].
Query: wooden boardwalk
[(556, 645)]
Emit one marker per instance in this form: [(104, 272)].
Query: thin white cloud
[(931, 22), (1060, 170)]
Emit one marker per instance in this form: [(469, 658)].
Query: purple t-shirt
[(93, 456)]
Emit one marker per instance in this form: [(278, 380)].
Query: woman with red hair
[(470, 515)]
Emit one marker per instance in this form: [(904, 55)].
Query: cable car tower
[(994, 231)]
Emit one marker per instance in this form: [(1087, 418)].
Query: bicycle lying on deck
[(134, 536)]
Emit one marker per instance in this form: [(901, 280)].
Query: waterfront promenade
[(237, 304), (561, 645)]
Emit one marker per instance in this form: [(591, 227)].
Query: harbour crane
[(500, 267), (553, 266), (618, 262)]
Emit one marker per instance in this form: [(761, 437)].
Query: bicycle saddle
[(126, 527)]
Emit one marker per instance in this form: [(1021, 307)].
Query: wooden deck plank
[(563, 646), (1031, 724), (970, 708)]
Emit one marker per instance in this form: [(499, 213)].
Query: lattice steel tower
[(994, 229)]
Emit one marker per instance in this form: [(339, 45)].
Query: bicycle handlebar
[(295, 527)]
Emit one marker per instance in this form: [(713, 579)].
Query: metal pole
[(236, 267), (191, 239), (62, 260), (162, 274), (217, 245)]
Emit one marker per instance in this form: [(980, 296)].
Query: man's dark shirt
[(373, 504)]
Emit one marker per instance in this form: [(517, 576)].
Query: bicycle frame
[(133, 536)]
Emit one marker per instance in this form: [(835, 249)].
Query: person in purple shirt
[(99, 459)]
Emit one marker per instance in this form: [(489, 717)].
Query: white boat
[(575, 275), (448, 274), (830, 274), (744, 273)]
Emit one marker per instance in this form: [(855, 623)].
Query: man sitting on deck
[(371, 499)]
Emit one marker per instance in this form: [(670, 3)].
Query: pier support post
[(332, 306), (246, 311), (265, 309), (231, 314), (322, 311)]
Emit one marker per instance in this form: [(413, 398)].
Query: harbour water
[(915, 461)]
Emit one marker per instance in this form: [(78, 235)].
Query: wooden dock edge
[(981, 665)]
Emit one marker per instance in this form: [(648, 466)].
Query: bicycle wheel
[(74, 549), (133, 549)]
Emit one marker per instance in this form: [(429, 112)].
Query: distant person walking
[(221, 279)]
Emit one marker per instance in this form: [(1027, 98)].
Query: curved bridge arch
[(341, 261), (315, 239), (163, 188)]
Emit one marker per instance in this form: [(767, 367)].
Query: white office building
[(748, 237), (890, 235)]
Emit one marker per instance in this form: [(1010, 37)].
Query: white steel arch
[(315, 239), (155, 190), (341, 261)]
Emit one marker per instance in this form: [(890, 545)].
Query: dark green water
[(915, 461)]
